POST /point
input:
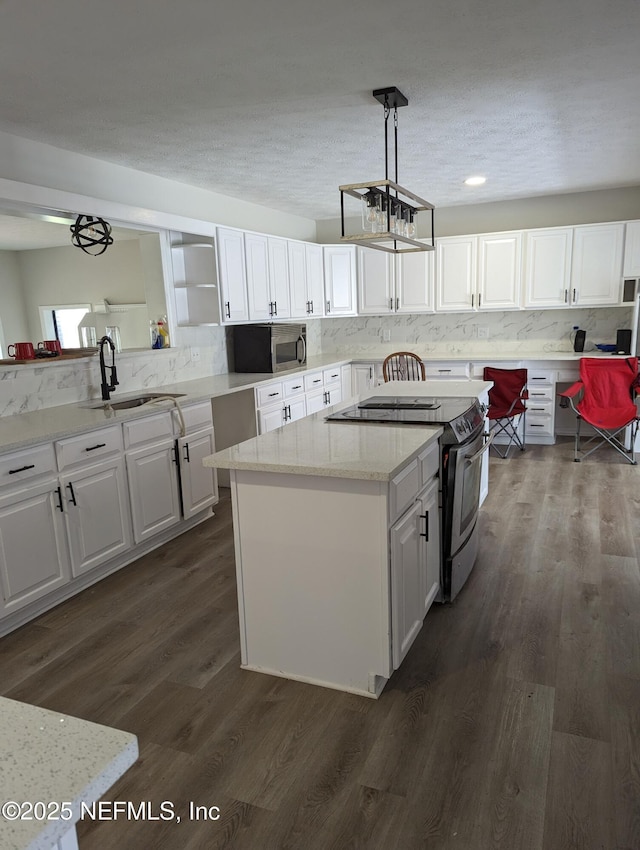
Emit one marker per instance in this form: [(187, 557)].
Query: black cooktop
[(460, 414)]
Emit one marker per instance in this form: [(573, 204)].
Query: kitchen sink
[(137, 401)]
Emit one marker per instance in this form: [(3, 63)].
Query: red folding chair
[(507, 406), (605, 398)]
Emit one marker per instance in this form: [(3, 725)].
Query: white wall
[(545, 211), (43, 165), (13, 322)]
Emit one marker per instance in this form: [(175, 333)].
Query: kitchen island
[(50, 765), (336, 535)]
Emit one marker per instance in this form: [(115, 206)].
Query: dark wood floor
[(514, 722)]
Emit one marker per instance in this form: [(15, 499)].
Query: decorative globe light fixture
[(92, 234), (389, 212)]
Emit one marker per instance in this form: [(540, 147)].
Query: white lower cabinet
[(365, 376), (198, 485), (34, 559), (66, 510), (415, 568), (96, 510), (153, 484)]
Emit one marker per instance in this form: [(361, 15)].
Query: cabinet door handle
[(271, 395), (397, 303), (317, 380), (186, 453), (174, 453), (391, 303), (297, 387), (60, 506), (275, 308), (574, 297), (22, 468), (425, 517), (289, 411), (566, 296), (308, 310), (479, 300), (328, 306), (73, 495), (227, 309), (472, 300), (97, 446), (311, 310)]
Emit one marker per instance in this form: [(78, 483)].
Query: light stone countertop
[(52, 423), (374, 452), (51, 757)]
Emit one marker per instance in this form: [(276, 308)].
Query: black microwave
[(269, 347)]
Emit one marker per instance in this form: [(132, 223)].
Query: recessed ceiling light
[(475, 181)]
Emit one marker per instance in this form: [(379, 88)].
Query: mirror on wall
[(47, 284)]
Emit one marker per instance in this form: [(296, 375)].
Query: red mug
[(50, 345), (21, 350)]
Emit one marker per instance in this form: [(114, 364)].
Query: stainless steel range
[(462, 447)]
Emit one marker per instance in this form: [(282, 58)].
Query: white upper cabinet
[(267, 277), (548, 267), (596, 268), (499, 271), (414, 282), (376, 288), (340, 280), (400, 283), (314, 261), (279, 278), (456, 273), (232, 275), (298, 294), (257, 259), (631, 266), (306, 280)]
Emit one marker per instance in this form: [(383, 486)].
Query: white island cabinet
[(336, 535)]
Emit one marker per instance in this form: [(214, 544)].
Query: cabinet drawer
[(26, 464), (197, 417), (313, 381), (403, 489), (536, 406), (540, 378), (540, 393), (447, 370), (540, 423), (429, 461), (88, 447), (268, 394), (331, 376), (148, 429), (293, 386)]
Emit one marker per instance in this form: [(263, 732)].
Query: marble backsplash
[(41, 385), (440, 334)]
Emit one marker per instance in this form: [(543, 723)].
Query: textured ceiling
[(271, 102)]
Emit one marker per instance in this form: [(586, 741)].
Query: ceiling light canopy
[(475, 181), (389, 212), (91, 234)]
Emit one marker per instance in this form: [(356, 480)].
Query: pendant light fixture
[(91, 234), (388, 211)]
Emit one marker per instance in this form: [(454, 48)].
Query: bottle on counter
[(153, 332), (163, 333)]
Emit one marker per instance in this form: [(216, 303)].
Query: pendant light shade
[(91, 234), (389, 212)]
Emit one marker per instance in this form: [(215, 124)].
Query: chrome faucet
[(107, 386)]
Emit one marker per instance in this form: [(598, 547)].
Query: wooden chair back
[(403, 366)]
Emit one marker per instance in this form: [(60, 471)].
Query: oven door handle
[(485, 446)]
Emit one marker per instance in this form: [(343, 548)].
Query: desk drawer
[(453, 371), (89, 447)]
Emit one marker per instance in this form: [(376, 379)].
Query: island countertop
[(313, 446), (54, 758)]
